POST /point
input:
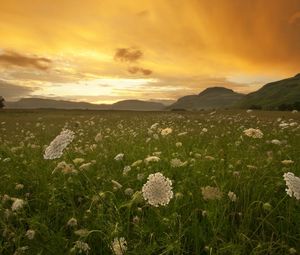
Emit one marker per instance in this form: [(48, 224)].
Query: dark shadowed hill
[(282, 95), (137, 105), (211, 98), (37, 103)]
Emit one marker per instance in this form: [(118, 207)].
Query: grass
[(263, 220)]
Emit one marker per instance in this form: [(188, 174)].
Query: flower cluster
[(293, 185), (57, 146), (157, 190), (254, 133), (119, 246)]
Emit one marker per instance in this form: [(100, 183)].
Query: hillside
[(210, 98), (279, 95), (36, 103)]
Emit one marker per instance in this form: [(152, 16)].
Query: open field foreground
[(140, 183)]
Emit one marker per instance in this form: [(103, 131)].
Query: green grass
[(188, 224)]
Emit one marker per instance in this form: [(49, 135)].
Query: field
[(228, 191)]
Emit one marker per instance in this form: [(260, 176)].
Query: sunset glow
[(105, 51)]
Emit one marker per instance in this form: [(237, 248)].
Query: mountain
[(210, 98), (31, 103), (278, 95), (133, 105), (38, 103)]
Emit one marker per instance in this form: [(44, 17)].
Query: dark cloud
[(16, 59), (13, 92), (128, 54), (137, 70)]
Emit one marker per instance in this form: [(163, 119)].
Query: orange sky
[(108, 50)]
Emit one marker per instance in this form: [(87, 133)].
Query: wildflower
[(126, 170), (204, 130), (128, 192), (19, 186), (119, 246), (157, 190), (82, 232), (154, 126), (276, 142), (287, 162), (178, 144), (254, 133), (57, 146), (85, 166), (166, 131), (64, 168), (136, 163), (30, 234), (152, 159), (98, 137), (232, 196), (175, 162), (72, 222), (119, 157), (116, 185), (17, 204), (81, 247), (211, 193), (293, 185), (78, 160)]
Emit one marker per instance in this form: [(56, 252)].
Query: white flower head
[(17, 204), (166, 131), (157, 190), (119, 246), (30, 234), (57, 146), (119, 157), (293, 185), (254, 133)]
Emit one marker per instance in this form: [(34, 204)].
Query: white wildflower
[(126, 170), (287, 162), (151, 159), (254, 133), (211, 193), (157, 190), (232, 196), (30, 234), (81, 247), (119, 246), (175, 162), (119, 157), (166, 131), (72, 222), (57, 146), (293, 185), (17, 204)]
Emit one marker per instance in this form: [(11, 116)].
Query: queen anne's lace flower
[(57, 146), (157, 190), (254, 133), (211, 193), (17, 204), (166, 131), (119, 246), (293, 184)]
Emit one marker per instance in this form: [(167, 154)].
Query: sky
[(103, 51)]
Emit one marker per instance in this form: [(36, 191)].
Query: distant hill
[(38, 103), (210, 98), (279, 95), (133, 105)]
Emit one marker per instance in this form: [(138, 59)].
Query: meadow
[(222, 185)]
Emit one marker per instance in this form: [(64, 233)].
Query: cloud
[(136, 70), (16, 59), (12, 92), (128, 54)]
